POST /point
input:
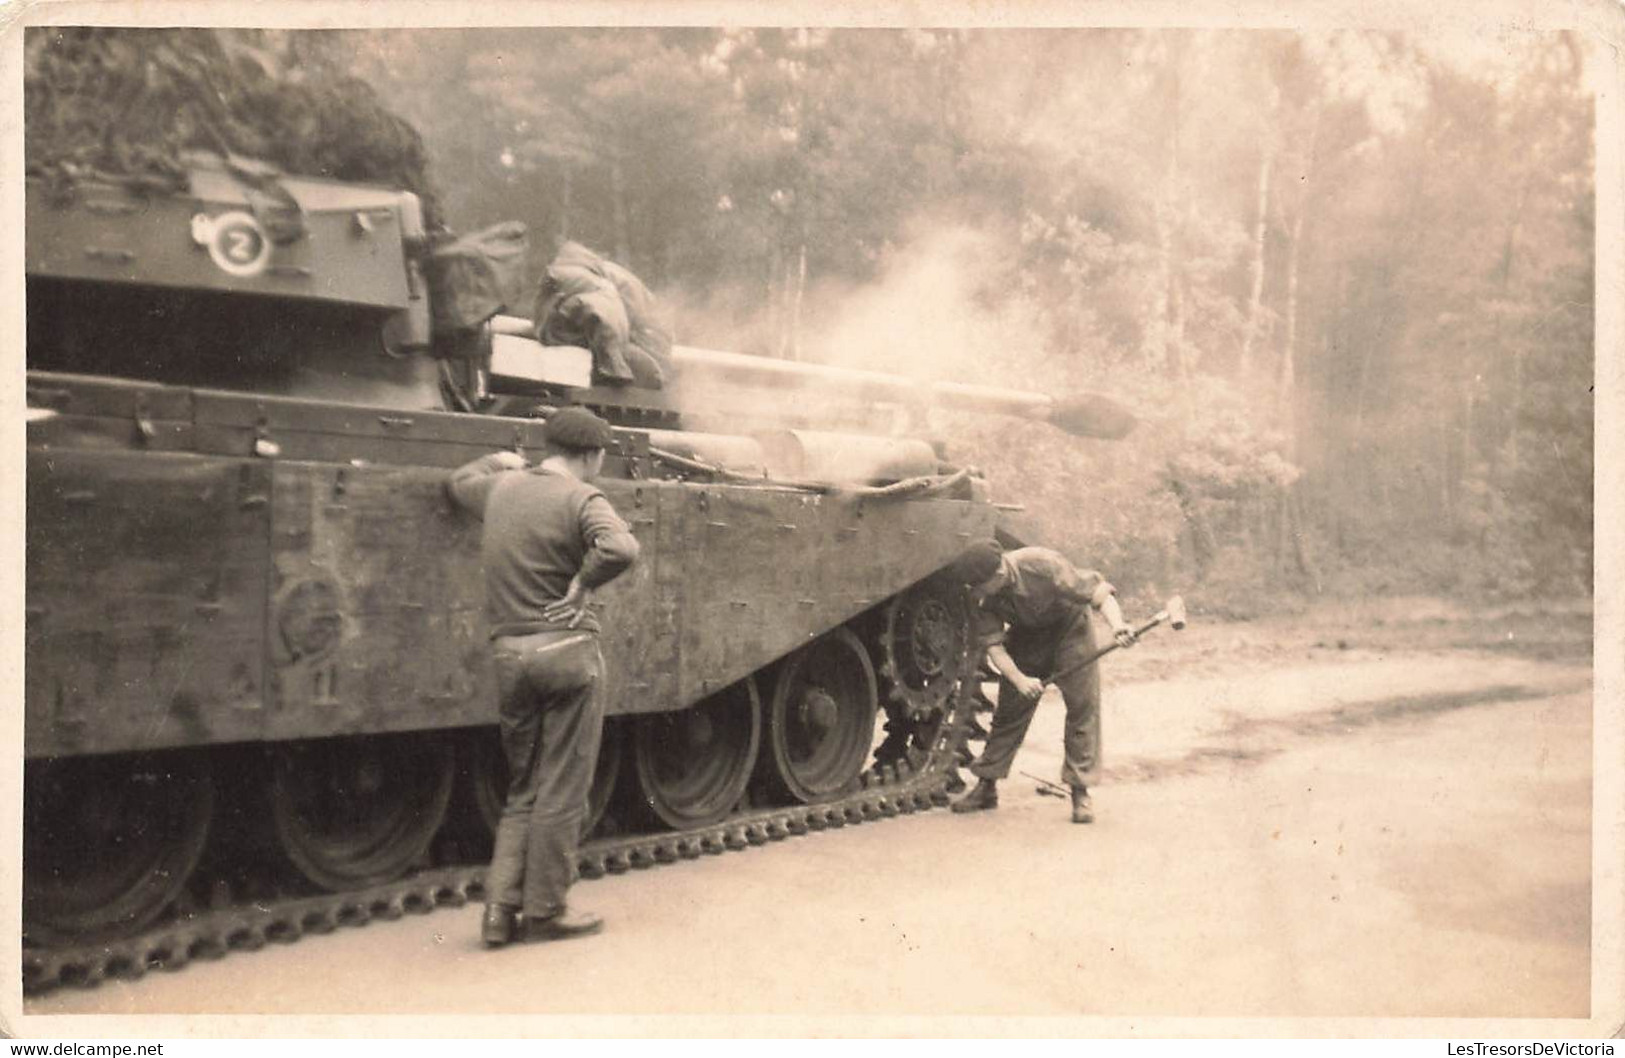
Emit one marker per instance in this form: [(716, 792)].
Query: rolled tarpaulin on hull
[(844, 458), (739, 455)]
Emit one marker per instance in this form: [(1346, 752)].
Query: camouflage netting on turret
[(124, 103)]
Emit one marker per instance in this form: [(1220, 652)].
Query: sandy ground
[(1396, 826)]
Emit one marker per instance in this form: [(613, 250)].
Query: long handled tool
[(1173, 613), (1046, 788)]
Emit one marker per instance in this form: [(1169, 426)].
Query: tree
[(1345, 276)]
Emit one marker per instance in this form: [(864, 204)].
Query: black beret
[(577, 428), (979, 562)]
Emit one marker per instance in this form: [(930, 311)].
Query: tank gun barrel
[(1082, 415), (702, 371)]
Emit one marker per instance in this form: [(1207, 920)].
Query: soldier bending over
[(1032, 617), (549, 539)]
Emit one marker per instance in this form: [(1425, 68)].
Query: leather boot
[(563, 925), (497, 927), (984, 795), (1083, 809)]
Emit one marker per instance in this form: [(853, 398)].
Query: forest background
[(1345, 279)]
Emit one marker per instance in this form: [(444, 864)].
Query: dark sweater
[(542, 527)]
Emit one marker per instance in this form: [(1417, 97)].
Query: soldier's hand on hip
[(573, 606), (581, 608)]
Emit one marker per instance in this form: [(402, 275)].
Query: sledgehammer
[(1173, 612)]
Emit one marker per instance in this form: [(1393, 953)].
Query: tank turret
[(259, 281)]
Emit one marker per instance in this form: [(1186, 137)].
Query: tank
[(257, 696)]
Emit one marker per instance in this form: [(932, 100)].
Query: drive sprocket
[(925, 647)]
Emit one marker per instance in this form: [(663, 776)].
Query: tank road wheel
[(693, 764), (821, 722), (350, 813), (489, 775), (109, 842)]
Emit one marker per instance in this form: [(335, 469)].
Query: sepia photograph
[(824, 520)]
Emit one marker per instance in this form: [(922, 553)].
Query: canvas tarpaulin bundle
[(477, 276), (588, 301)]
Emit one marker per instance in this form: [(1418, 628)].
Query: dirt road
[(1323, 831)]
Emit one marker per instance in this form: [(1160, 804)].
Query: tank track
[(884, 792)]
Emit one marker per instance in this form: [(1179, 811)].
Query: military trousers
[(1040, 653), (551, 713)]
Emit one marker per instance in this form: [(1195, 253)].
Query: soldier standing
[(1032, 618), (548, 540)]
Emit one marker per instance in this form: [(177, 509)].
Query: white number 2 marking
[(240, 245), (236, 243)]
